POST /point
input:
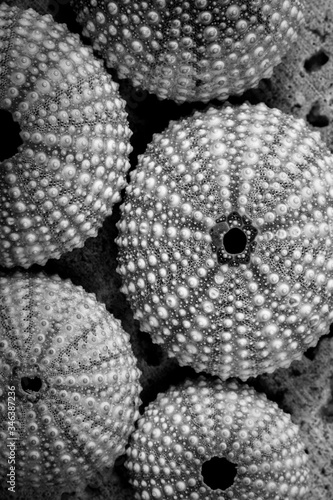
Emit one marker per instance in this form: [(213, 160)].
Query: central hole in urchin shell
[(31, 384), (10, 135), (234, 241), (219, 473)]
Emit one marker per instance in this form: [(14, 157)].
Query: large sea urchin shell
[(68, 383), (225, 240), (58, 188), (188, 426), (191, 50)]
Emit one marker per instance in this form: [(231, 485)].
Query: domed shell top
[(189, 427), (63, 181), (69, 385), (225, 239), (191, 50)]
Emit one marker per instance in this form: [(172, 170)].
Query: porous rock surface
[(305, 390), (301, 84), (307, 383)]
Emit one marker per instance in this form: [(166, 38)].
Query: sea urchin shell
[(72, 381), (225, 240), (204, 422), (56, 191), (193, 50)]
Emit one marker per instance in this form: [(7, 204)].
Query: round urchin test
[(209, 440), (191, 50), (69, 390), (226, 240), (64, 179)]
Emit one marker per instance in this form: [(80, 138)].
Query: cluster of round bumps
[(60, 185), (261, 179), (72, 381), (188, 426), (40, 6), (191, 50)]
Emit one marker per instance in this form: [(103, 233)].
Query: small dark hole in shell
[(31, 384), (234, 241), (219, 473), (10, 132)]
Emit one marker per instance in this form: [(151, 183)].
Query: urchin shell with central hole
[(193, 50), (64, 179), (225, 240), (69, 379), (209, 440)]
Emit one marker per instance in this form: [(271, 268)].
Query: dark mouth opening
[(10, 135), (219, 473), (234, 241), (31, 384)]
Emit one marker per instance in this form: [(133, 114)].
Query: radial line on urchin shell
[(262, 174), (75, 381), (194, 50), (61, 184), (189, 425)]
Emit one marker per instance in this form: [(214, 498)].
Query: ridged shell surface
[(69, 385), (190, 425), (225, 240), (61, 184), (194, 50)]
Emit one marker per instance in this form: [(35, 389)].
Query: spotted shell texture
[(41, 6), (202, 420), (58, 188), (253, 172), (193, 50), (78, 417)]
